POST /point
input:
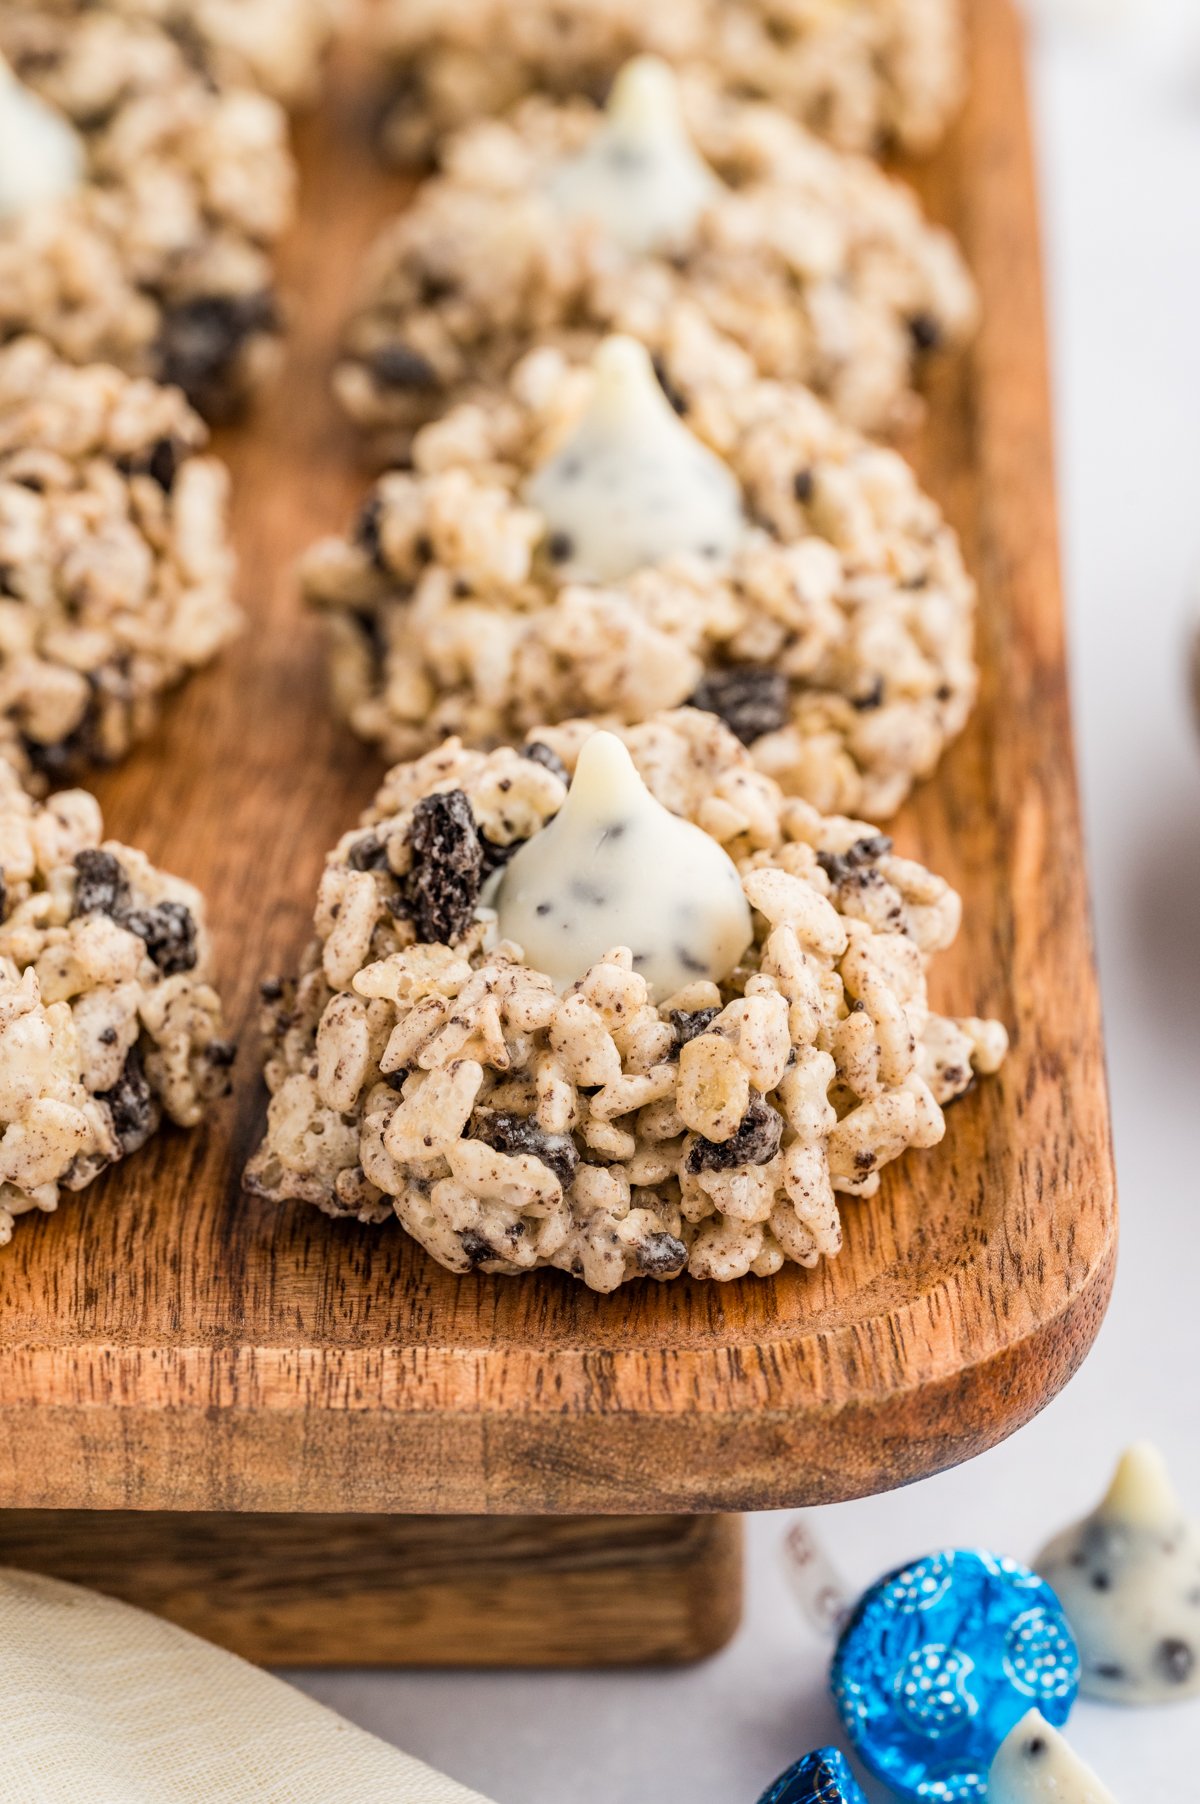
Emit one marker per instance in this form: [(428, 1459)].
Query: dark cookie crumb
[(756, 1142), (442, 888), (926, 332), (514, 1134), (548, 758), (689, 1024), (477, 1249), (169, 931), (398, 366), (161, 460), (367, 854), (843, 867), (749, 698), (131, 1105), (202, 339), (1176, 1660), (495, 857), (804, 486), (366, 530), (675, 396), (101, 886), (870, 699), (661, 1256)]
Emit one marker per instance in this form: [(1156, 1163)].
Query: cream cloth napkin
[(103, 1704)]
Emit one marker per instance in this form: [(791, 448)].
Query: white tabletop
[(1119, 116)]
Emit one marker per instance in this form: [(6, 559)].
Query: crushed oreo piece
[(843, 867), (548, 758), (169, 931), (756, 1142), (689, 1024), (661, 1256), (749, 698), (101, 886), (515, 1134), (442, 888), (131, 1105), (804, 486)]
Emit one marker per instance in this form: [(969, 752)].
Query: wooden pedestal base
[(290, 1590)]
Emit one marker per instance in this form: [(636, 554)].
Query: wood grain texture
[(170, 1345), (291, 1590)]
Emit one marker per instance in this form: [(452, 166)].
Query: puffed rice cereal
[(818, 264), (837, 640), (275, 45), (160, 260), (108, 1017), (115, 564), (509, 1126), (869, 75)]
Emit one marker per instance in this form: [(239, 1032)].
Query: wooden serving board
[(169, 1345)]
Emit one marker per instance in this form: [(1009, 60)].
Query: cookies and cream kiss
[(631, 486), (41, 154), (616, 868), (640, 178)]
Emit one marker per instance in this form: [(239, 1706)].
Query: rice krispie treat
[(108, 1017), (870, 75), (150, 246), (714, 1025), (564, 222), (567, 545), (275, 45), (115, 565)]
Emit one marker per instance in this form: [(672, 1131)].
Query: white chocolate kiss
[(631, 486), (616, 868), (41, 154), (640, 178), (1128, 1578), (1036, 1766)]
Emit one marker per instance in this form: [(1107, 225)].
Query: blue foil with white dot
[(820, 1778), (940, 1660)]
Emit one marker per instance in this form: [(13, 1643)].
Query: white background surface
[(1119, 122)]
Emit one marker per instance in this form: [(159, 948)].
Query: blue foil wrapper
[(940, 1660), (820, 1778)]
